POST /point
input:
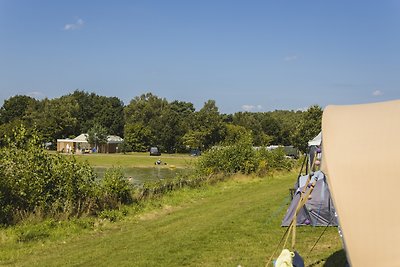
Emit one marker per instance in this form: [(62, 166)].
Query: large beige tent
[(361, 157)]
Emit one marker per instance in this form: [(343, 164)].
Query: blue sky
[(246, 55)]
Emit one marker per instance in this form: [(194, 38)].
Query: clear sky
[(246, 55)]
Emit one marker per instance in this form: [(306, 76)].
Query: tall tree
[(252, 122), (308, 128), (97, 135), (95, 109), (137, 137), (208, 124), (111, 115), (143, 115), (234, 133), (54, 118), (15, 108), (174, 121), (287, 121)]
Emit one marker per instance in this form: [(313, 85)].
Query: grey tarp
[(318, 210)]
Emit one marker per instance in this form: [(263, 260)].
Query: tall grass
[(235, 222)]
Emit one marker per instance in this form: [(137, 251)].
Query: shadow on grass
[(337, 259)]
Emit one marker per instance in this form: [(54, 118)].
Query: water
[(141, 175)]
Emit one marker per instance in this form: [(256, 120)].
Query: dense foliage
[(115, 189), (64, 117), (149, 120), (35, 182), (242, 157), (32, 181)]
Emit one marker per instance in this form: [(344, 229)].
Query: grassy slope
[(232, 223), (135, 160)]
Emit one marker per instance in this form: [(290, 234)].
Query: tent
[(318, 210), (361, 158), (316, 141)]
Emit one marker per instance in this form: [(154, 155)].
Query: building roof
[(114, 139), (82, 138)]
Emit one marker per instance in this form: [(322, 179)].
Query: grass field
[(233, 223), (136, 159)]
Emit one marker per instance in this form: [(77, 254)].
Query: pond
[(141, 175)]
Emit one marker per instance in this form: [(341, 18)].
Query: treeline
[(149, 120)]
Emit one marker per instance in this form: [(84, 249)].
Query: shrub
[(115, 189), (238, 157), (273, 160), (34, 181), (244, 158)]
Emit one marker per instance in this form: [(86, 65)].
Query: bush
[(239, 157), (273, 160), (115, 189), (34, 181), (242, 157)]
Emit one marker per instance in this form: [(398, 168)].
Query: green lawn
[(136, 159), (233, 223)]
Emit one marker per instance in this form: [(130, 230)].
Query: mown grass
[(236, 222), (136, 159)]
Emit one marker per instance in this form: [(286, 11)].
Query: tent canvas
[(319, 209), (361, 159), (316, 141)]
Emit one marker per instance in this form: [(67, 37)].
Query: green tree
[(15, 108), (172, 124), (137, 137), (13, 114), (251, 121), (308, 128), (195, 139), (280, 125), (208, 124), (54, 118), (144, 114), (97, 136), (234, 134), (94, 109)]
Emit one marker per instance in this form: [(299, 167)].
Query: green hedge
[(242, 157)]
